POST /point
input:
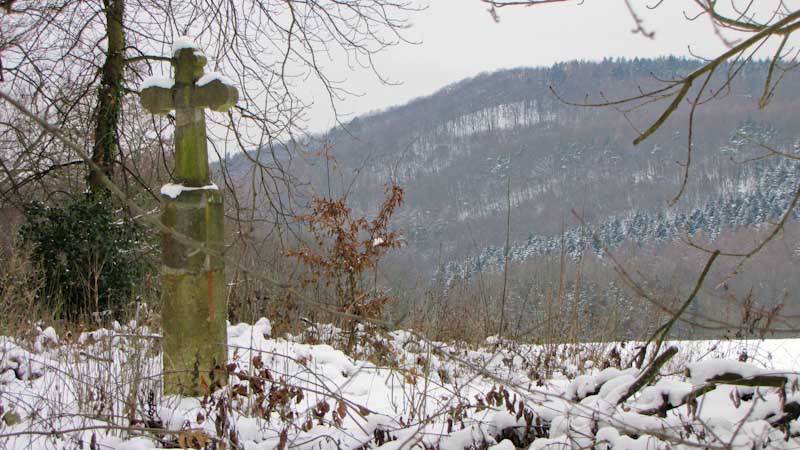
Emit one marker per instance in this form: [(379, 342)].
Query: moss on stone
[(193, 293), (194, 342)]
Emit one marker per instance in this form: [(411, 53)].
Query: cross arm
[(215, 92), (211, 91), (157, 99)]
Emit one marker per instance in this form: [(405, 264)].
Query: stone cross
[(194, 310), (188, 96)]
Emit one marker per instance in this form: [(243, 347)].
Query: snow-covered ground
[(100, 390)]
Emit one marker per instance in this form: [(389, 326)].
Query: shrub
[(345, 248), (20, 284), (89, 255)]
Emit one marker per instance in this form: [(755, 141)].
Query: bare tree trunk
[(501, 329), (107, 113)]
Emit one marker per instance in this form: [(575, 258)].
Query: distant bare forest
[(576, 185)]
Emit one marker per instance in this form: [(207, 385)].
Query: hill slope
[(510, 151), (466, 152)]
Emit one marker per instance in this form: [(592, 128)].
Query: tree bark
[(109, 95)]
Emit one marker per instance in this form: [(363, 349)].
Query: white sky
[(459, 39)]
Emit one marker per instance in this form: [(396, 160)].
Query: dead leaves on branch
[(346, 247)]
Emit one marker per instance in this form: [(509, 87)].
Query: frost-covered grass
[(101, 390)]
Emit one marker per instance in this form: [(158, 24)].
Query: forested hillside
[(512, 151)]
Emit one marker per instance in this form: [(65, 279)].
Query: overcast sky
[(459, 39)]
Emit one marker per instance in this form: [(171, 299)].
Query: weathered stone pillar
[(192, 279)]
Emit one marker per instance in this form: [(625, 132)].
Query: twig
[(648, 374)]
